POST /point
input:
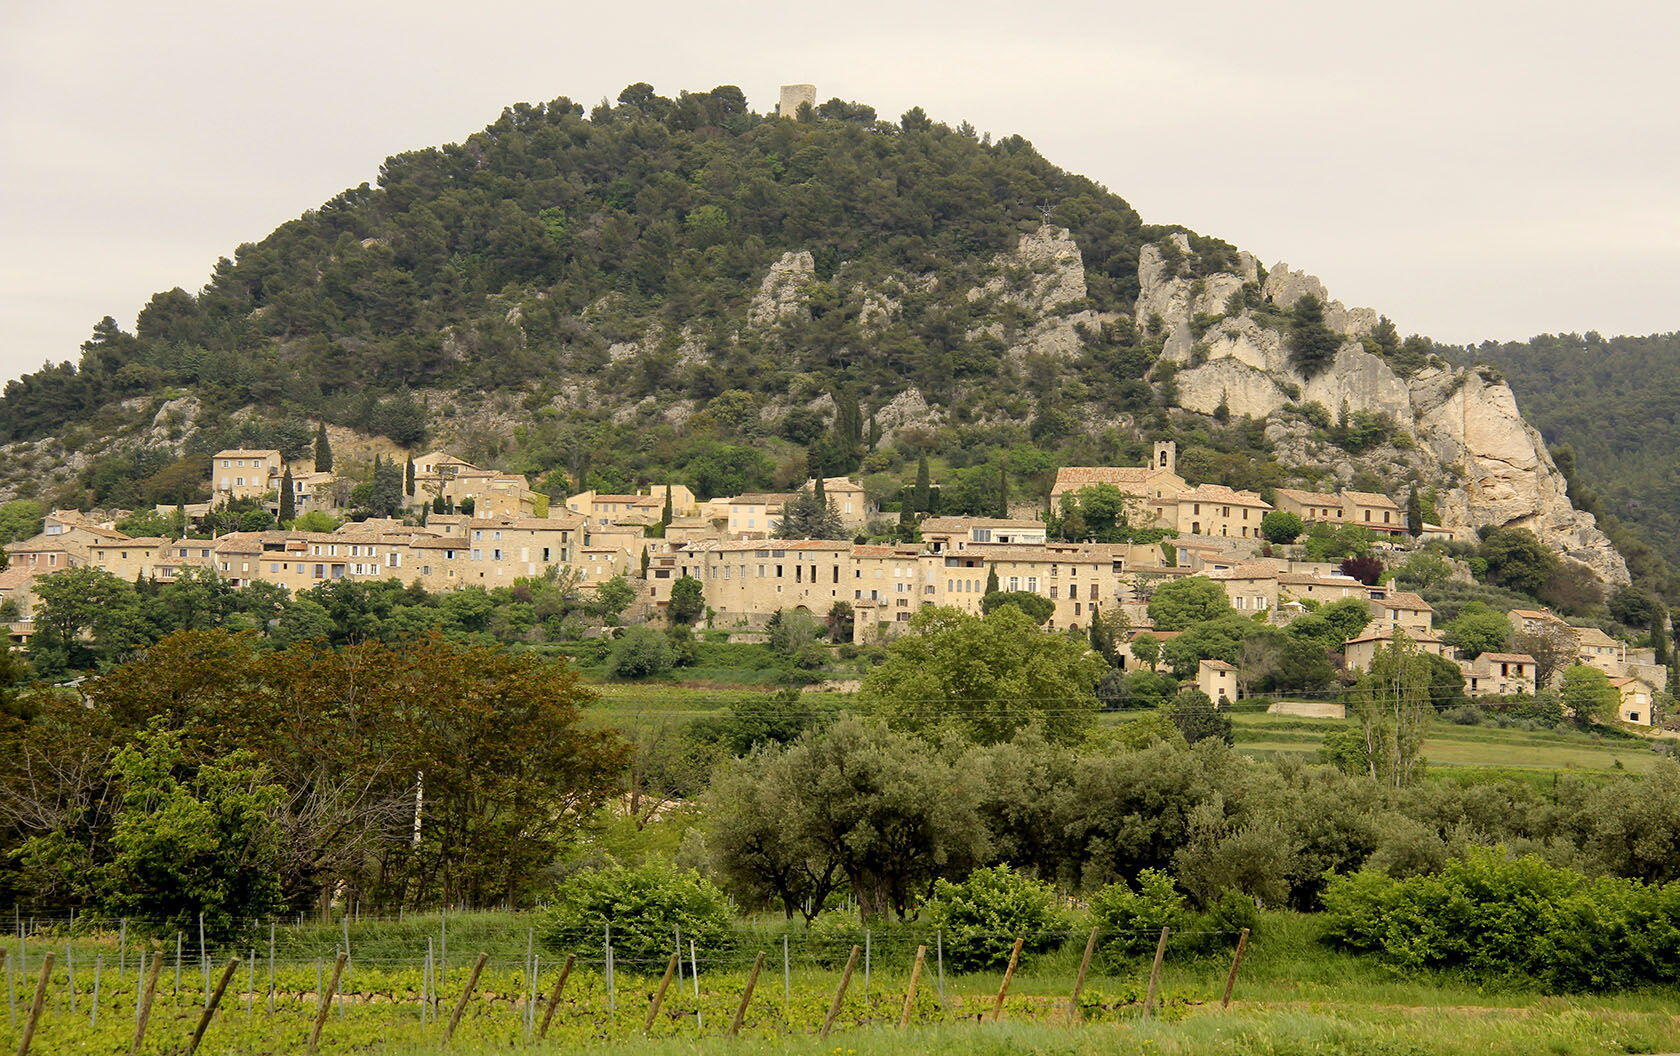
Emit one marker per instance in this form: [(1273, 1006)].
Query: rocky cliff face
[(1471, 441)]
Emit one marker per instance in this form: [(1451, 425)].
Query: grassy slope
[(1448, 745)]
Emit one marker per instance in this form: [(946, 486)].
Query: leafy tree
[(1553, 647), (1178, 604), (892, 814), (316, 521), (688, 601), (1131, 918), (1146, 649), (1479, 628), (612, 597), (1393, 703), (1588, 695), (1037, 607), (20, 519), (1368, 570), (757, 841), (1197, 719), (1281, 526), (85, 616), (189, 840), (1517, 560), (841, 622), (1635, 608), (984, 677)]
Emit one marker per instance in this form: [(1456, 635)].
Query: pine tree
[(1414, 513), (323, 450), (923, 495), (408, 477), (288, 500)]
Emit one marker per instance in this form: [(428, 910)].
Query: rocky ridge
[(1492, 466)]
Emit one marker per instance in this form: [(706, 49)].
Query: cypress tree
[(1414, 512), (323, 449), (408, 477), (1003, 491), (991, 579), (288, 502), (665, 518), (818, 498), (922, 497), (644, 562)]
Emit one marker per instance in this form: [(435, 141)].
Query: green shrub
[(642, 652), (644, 906), (982, 915), (1513, 918), (1131, 920)]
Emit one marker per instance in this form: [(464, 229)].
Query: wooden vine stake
[(1155, 973), (910, 991), (35, 1008), (210, 1005), (554, 998), (659, 994), (143, 1013), (1236, 962), (746, 995), (840, 991), (466, 995), (327, 993), (1079, 980), (1008, 974)]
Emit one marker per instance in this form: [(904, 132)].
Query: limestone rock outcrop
[(1491, 466), (1045, 276), (781, 294)]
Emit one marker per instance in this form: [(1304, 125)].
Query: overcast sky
[(1473, 169)]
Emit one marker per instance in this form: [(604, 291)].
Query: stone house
[(1215, 510), (1218, 680), (1370, 510), (1311, 506), (957, 533), (1251, 587), (1400, 610), (1499, 675), (1597, 649), (1636, 700), (1358, 653), (240, 473)]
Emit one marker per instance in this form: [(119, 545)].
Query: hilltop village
[(460, 526)]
